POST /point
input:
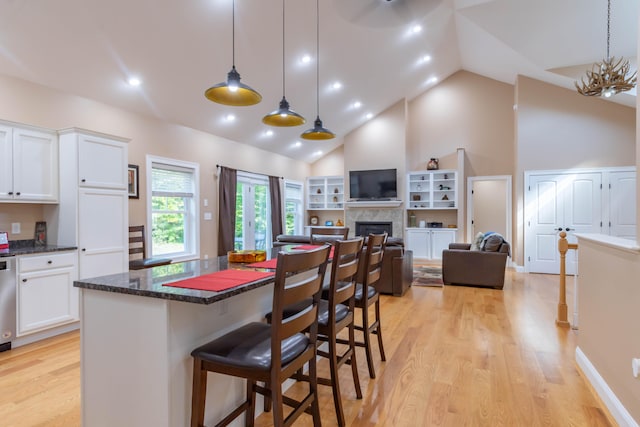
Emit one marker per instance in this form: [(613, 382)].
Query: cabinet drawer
[(42, 262)]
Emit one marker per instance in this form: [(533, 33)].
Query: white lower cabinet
[(46, 296), (428, 243)]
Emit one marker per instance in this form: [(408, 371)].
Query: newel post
[(563, 248)]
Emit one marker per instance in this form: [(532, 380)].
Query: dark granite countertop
[(28, 247), (149, 282)]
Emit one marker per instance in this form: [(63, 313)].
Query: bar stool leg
[(379, 331), (352, 361), (198, 394), (335, 378), (367, 340)]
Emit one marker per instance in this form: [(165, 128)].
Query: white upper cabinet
[(102, 162), (29, 165)]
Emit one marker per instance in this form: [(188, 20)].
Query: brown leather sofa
[(397, 263), (462, 266)]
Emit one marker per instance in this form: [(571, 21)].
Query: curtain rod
[(242, 170)]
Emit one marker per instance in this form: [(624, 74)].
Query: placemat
[(221, 280)]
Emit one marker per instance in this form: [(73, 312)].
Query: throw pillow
[(477, 241)]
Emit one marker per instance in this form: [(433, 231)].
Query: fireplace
[(364, 228)]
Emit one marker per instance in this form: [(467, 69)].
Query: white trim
[(195, 217), (610, 400)]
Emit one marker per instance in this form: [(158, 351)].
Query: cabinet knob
[(84, 249), (49, 262), (24, 280), (18, 193), (83, 180), (10, 193)]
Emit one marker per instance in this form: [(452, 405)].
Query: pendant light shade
[(283, 116), (233, 92), (318, 132)]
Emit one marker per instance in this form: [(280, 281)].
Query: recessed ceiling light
[(336, 85), (416, 29), (229, 117), (424, 59), (297, 144), (318, 153), (357, 104), (432, 80), (134, 81), (306, 59), (368, 116), (268, 132)]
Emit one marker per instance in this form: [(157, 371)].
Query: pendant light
[(283, 116), (318, 132), (233, 92), (608, 77)]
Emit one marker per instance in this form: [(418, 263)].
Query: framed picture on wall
[(132, 180)]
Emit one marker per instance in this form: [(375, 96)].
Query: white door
[(568, 202), (622, 204), (103, 232)]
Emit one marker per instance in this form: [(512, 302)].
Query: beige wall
[(559, 129), (25, 214), (24, 102)]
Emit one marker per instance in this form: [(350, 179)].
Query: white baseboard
[(519, 268), (615, 407), (48, 333)]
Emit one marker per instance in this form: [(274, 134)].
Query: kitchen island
[(137, 336)]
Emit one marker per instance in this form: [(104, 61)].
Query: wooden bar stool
[(367, 295), (270, 353), (322, 235)]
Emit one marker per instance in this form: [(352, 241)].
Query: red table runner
[(270, 263), (221, 280)]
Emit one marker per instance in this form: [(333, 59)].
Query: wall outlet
[(15, 228), (208, 216)]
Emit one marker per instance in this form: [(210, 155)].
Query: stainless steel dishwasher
[(7, 302)]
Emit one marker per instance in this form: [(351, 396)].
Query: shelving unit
[(325, 193), (432, 190)]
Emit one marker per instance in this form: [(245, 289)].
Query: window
[(173, 208), (253, 212), (293, 212)]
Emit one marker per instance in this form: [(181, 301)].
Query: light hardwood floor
[(456, 356)]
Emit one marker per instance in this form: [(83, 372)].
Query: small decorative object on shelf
[(328, 223), (335, 199), (433, 164), (444, 187), (446, 176), (335, 190), (339, 223), (445, 197), (319, 191), (313, 220), (416, 197), (412, 219), (419, 187), (40, 237)]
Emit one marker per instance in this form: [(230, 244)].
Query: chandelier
[(609, 77)]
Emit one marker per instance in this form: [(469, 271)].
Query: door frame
[(508, 207)]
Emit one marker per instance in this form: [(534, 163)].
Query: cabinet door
[(418, 240), (102, 162), (46, 299), (6, 162), (102, 232), (35, 165), (440, 240)]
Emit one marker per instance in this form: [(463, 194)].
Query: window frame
[(298, 225), (192, 220)]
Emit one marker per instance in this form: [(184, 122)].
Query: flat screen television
[(378, 184)]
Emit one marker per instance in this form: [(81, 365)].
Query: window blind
[(171, 181)]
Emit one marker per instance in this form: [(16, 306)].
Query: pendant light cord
[(318, 58), (283, 70), (233, 33), (608, 26)]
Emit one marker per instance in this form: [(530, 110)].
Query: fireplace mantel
[(374, 204)]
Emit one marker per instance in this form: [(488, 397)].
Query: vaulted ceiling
[(380, 51)]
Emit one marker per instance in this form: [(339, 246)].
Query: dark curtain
[(227, 183), (275, 193)]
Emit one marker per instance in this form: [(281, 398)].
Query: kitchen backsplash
[(25, 214)]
